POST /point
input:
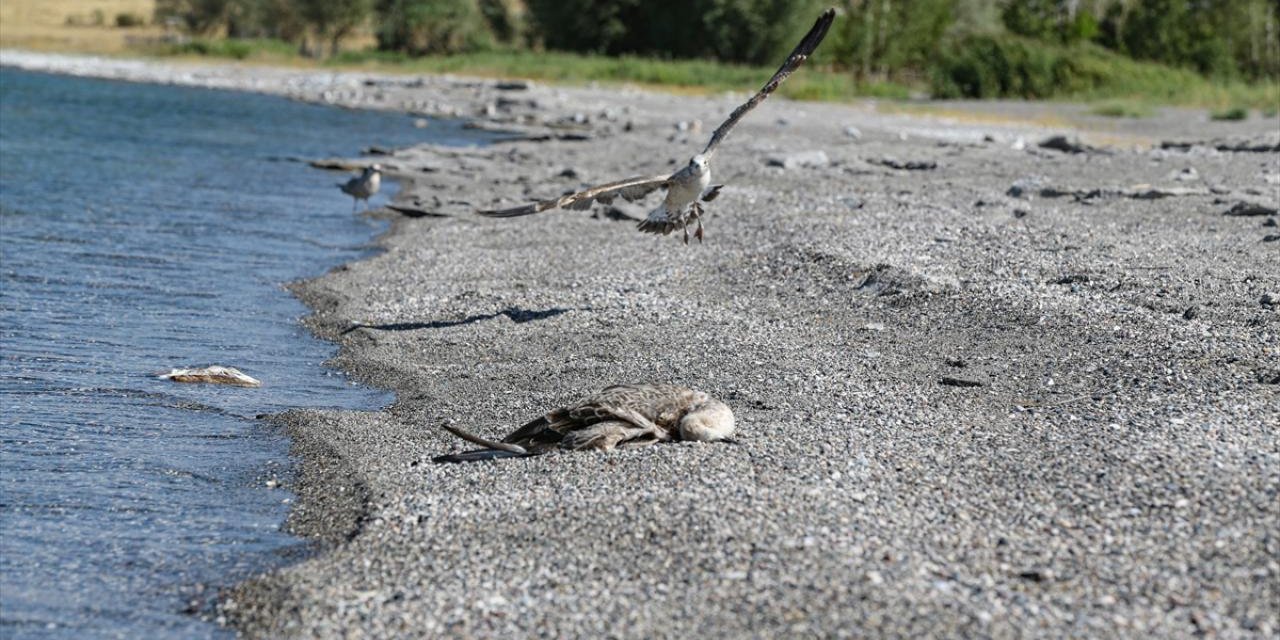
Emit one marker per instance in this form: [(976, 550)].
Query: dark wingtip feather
[(479, 455), (510, 213)]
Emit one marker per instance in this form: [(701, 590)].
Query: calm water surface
[(144, 227)]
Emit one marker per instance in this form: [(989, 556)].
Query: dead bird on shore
[(689, 187), (621, 416), (363, 186)]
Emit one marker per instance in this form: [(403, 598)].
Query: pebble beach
[(987, 383)]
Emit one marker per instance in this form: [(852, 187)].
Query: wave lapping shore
[(982, 386)]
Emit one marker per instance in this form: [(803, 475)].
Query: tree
[(333, 20), (420, 27), (881, 38), (197, 16)]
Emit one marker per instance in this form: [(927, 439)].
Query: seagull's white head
[(707, 420), (374, 168), (698, 163)]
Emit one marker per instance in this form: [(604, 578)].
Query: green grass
[(1003, 67), (1008, 66), (1230, 113), (1122, 109)]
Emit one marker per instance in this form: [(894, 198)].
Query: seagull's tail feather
[(660, 221)]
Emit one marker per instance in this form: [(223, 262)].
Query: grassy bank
[(1097, 77), (1000, 68)]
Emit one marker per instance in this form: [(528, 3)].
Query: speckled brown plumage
[(620, 416)]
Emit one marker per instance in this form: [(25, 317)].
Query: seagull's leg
[(697, 215), (685, 229)]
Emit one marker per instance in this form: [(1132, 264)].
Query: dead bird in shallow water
[(621, 416), (364, 186), (213, 375)]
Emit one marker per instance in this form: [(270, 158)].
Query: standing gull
[(687, 188), (364, 186), (621, 416)]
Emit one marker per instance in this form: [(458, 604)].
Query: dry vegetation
[(72, 25)]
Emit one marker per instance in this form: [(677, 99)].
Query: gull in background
[(621, 416), (689, 187), (363, 186)]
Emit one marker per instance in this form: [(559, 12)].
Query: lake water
[(141, 228)]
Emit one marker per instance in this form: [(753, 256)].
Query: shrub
[(1232, 113), (127, 20), (419, 27)]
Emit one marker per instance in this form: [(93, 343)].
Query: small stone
[(421, 123), (802, 159), (852, 133), (1065, 144), (1270, 299), (909, 165), (950, 381), (513, 85), (1190, 313), (1249, 209)]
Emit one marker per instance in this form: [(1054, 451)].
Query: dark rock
[(958, 382), (513, 85), (1034, 575), (908, 165), (1020, 213), (1074, 278), (1249, 209), (612, 212), (1271, 237), (1066, 144), (1190, 313)]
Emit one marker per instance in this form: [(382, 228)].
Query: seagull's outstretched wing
[(801, 53), (630, 189)]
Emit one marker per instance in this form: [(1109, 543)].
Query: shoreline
[(825, 306)]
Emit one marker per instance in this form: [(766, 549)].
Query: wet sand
[(1011, 391)]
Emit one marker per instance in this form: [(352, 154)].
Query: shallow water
[(141, 228)]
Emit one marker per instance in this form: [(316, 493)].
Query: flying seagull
[(689, 187), (621, 416), (364, 186)]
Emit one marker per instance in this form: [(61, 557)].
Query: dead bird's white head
[(707, 420)]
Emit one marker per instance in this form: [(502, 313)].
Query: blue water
[(141, 228)]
